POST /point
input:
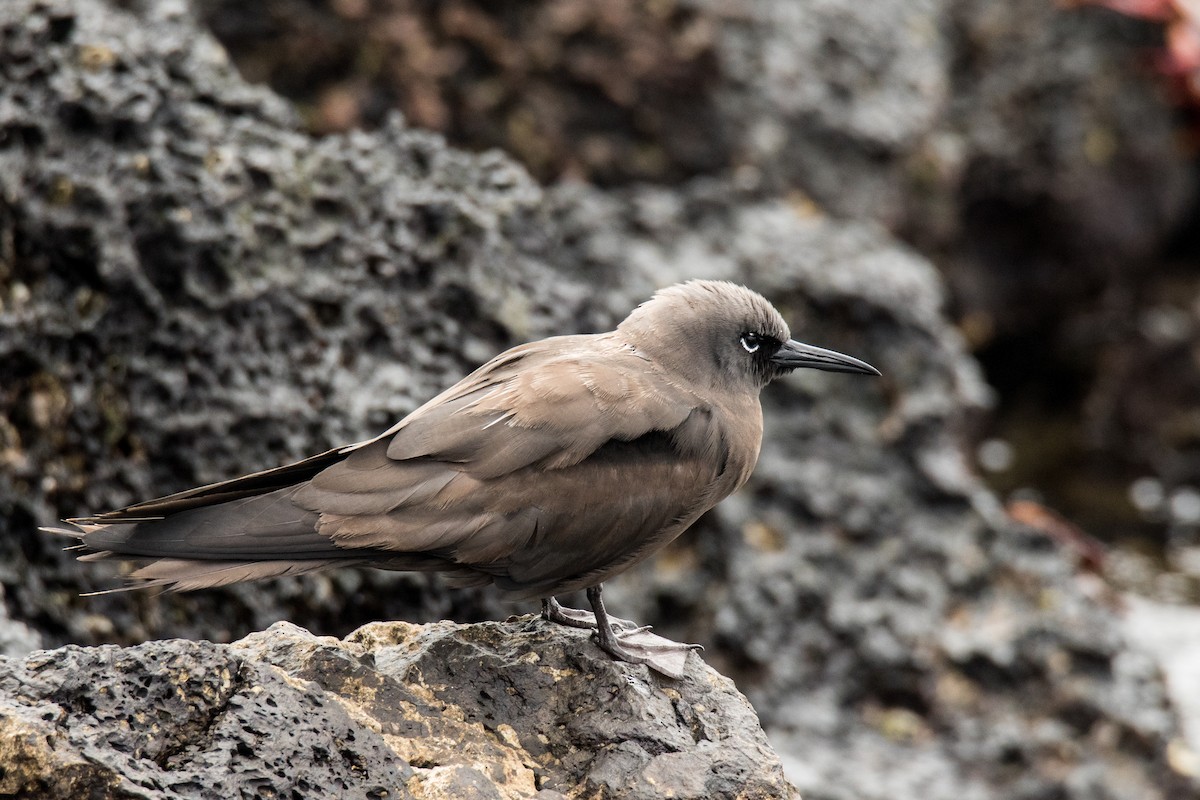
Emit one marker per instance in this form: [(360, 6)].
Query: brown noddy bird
[(553, 467)]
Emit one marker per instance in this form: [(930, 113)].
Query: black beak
[(798, 355)]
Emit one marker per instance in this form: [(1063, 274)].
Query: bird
[(552, 468)]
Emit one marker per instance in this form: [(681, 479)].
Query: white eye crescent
[(751, 342)]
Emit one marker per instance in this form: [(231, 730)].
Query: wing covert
[(552, 406)]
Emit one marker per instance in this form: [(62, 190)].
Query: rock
[(1029, 147), (16, 638), (195, 288), (835, 99), (942, 119), (148, 192), (866, 591), (1171, 634), (496, 710)]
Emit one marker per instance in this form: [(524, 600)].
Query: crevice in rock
[(196, 734)]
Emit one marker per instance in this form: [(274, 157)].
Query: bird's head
[(719, 333)]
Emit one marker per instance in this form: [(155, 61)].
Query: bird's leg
[(552, 611), (606, 638)]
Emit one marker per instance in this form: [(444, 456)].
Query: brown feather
[(550, 468)]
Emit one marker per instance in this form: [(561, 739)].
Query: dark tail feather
[(266, 527), (240, 530), (250, 538), (258, 483)]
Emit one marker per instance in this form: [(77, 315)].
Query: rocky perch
[(194, 287), (510, 709)]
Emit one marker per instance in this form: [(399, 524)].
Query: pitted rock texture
[(864, 590), (193, 288), (497, 710), (1030, 147)]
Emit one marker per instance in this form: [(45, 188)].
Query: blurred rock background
[(217, 257), (1033, 152)]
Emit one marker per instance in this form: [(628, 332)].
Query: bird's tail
[(250, 538)]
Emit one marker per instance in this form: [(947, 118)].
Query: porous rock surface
[(193, 288), (497, 710), (1030, 147)]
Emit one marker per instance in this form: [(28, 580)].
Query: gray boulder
[(497, 710), (194, 288)]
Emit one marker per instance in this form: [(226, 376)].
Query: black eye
[(751, 342)]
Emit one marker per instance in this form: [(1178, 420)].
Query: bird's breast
[(725, 436)]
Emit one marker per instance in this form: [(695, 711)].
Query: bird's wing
[(548, 462), (269, 480), (551, 403), (245, 486), (578, 525)]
